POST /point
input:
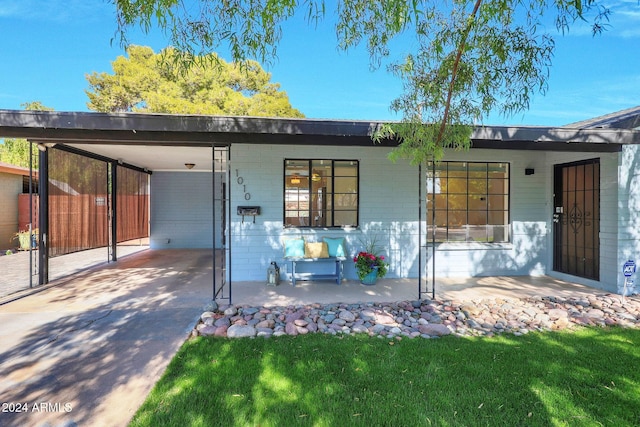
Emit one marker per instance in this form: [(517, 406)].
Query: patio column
[(43, 225), (114, 210)]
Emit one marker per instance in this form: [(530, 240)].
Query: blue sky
[(49, 45)]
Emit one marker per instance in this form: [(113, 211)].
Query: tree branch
[(454, 72)]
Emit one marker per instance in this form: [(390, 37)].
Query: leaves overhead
[(459, 60), (16, 151), (149, 82)]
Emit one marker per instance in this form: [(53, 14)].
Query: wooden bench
[(335, 274), (330, 250)]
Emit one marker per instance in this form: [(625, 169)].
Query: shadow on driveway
[(90, 349)]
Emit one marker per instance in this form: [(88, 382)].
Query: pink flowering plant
[(367, 260)]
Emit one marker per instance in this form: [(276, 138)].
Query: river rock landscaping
[(423, 318)]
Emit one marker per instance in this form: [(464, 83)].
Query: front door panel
[(576, 217)]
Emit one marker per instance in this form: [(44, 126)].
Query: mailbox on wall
[(249, 211)]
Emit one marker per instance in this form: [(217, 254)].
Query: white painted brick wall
[(181, 210), (628, 218), (389, 210)]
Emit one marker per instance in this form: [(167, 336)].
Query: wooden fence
[(81, 222)]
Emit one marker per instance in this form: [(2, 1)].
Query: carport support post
[(31, 248), (43, 188), (433, 228), (420, 231), (114, 210), (213, 217)]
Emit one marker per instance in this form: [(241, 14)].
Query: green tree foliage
[(15, 151), (469, 57), (149, 82)]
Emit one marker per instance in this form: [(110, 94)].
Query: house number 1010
[(240, 181)]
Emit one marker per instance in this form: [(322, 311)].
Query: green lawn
[(590, 377)]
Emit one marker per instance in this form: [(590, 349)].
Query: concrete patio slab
[(389, 290)]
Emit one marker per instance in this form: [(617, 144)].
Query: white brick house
[(563, 202)]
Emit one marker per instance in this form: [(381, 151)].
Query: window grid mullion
[(466, 222), (333, 194), (309, 193), (447, 205), (486, 205)]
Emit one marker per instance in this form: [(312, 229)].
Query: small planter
[(370, 265), (371, 278), (27, 240), (24, 239)]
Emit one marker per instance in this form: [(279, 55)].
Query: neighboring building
[(563, 202), (14, 181)]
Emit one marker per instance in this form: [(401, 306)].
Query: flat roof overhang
[(168, 129), (176, 130), (189, 138)]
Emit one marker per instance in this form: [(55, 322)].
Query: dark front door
[(576, 218)]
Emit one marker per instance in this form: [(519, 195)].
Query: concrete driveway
[(90, 349)]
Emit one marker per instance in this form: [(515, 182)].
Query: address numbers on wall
[(240, 181)]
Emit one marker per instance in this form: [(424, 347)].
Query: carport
[(115, 145), (94, 180)]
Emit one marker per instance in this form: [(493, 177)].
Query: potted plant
[(369, 265), (26, 239)]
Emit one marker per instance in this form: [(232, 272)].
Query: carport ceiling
[(154, 158), (161, 142)]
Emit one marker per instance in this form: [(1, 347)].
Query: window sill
[(466, 246), (308, 227)]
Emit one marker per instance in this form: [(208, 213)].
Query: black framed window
[(34, 184), (469, 200), (321, 193)]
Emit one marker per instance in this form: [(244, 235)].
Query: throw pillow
[(294, 248), (316, 250), (335, 246)]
